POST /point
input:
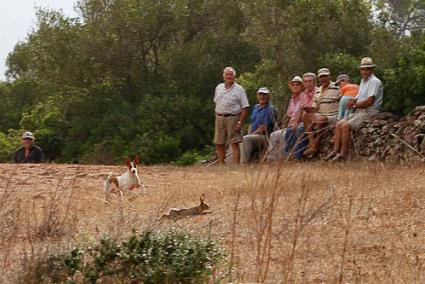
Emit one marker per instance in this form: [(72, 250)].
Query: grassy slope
[(306, 222)]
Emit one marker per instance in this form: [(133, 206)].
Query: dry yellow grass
[(297, 222)]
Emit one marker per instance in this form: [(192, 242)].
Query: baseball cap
[(323, 71), (263, 90), (342, 77), (28, 134)]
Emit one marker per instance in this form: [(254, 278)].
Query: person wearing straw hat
[(323, 112), (366, 105), (263, 119), (28, 152), (295, 140)]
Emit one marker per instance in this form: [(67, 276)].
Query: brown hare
[(176, 213)]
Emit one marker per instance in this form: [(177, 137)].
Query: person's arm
[(244, 115), (364, 104)]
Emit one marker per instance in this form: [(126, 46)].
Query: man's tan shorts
[(224, 131), (357, 119), (331, 119)]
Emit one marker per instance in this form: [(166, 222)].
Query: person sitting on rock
[(29, 152), (263, 119), (323, 112), (295, 140), (348, 92), (366, 104)]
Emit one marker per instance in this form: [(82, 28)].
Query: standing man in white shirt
[(231, 110), (367, 104)]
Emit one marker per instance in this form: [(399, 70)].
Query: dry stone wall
[(388, 138)]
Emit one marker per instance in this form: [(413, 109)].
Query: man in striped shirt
[(324, 110)]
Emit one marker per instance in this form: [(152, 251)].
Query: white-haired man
[(231, 110), (323, 112)]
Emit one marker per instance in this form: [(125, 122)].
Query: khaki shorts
[(357, 119), (331, 119), (224, 131)]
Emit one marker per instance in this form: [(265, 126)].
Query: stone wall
[(388, 138)]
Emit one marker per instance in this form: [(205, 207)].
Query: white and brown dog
[(127, 181)]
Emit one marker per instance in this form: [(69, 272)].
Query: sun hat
[(323, 71), (297, 79), (28, 135), (366, 62), (263, 90), (342, 77)]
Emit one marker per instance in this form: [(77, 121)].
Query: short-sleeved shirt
[(294, 109), (231, 100), (263, 115), (309, 96), (349, 90), (327, 100), (371, 87), (36, 155)]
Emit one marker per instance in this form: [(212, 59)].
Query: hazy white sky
[(17, 18)]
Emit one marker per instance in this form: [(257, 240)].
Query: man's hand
[(261, 129), (350, 104), (310, 109), (238, 126)]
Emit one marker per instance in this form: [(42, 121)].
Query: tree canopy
[(137, 76)]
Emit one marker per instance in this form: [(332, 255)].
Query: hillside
[(315, 222)]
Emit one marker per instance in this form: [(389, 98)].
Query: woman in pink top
[(295, 140)]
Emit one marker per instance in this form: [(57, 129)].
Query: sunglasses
[(27, 139)]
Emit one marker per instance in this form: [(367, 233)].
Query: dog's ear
[(202, 199), (137, 160), (128, 162)]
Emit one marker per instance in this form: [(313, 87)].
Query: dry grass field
[(286, 223)]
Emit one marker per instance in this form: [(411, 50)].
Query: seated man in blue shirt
[(263, 119)]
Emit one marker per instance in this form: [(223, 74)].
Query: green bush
[(171, 257), (194, 156)]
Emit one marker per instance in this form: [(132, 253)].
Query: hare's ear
[(137, 160), (202, 198), (128, 162)]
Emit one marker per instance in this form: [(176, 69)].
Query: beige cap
[(28, 134), (366, 62), (323, 71), (263, 90), (342, 77)]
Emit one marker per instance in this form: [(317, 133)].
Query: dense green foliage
[(171, 257), (138, 76)]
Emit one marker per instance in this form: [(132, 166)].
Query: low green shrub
[(194, 156), (171, 257)]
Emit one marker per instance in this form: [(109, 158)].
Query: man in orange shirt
[(348, 92)]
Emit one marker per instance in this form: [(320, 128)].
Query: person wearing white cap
[(231, 110), (263, 120), (323, 112), (28, 152), (366, 104)]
